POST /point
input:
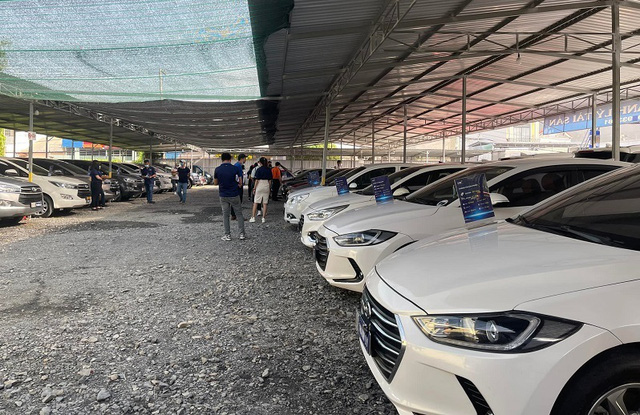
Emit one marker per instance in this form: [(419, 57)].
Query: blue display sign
[(313, 178), (382, 189), (581, 120), (67, 143), (341, 186), (475, 200)]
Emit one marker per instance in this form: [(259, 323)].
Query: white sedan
[(403, 183), (357, 179), (532, 317), (351, 244)]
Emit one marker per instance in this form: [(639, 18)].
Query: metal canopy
[(518, 57)]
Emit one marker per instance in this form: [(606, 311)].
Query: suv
[(163, 179), (130, 185), (63, 193), (18, 198), (62, 168), (357, 179)]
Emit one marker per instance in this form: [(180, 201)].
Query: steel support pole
[(150, 154), (341, 151), (617, 47), (46, 147), (373, 142), (404, 141), (594, 120), (301, 153), (30, 142), (353, 156), (14, 143), (73, 149), (110, 146), (327, 123), (463, 153), (92, 151), (443, 149)]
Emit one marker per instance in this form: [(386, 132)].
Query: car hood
[(61, 179), (499, 266), (319, 190), (385, 216), (14, 181), (346, 199)]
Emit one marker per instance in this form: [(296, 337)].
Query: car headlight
[(324, 214), (5, 188), (65, 185), (505, 332), (365, 238), (129, 180), (297, 199)]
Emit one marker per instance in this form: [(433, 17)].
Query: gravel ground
[(143, 309)]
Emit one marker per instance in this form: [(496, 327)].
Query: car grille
[(321, 251), (386, 341), (29, 194), (477, 400), (83, 191), (301, 223)]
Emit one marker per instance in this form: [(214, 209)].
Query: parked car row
[(538, 300)]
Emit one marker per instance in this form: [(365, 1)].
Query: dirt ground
[(144, 309)]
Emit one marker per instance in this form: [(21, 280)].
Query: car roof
[(553, 161)]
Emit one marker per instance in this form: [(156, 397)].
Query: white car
[(18, 198), (351, 244), (59, 192), (357, 179), (403, 183), (533, 317)]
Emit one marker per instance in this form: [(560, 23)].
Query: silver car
[(18, 198)]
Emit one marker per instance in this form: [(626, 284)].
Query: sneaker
[(242, 237), (233, 218), (252, 220), (259, 213), (226, 238), (264, 220)]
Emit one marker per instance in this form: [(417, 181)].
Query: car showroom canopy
[(238, 73)]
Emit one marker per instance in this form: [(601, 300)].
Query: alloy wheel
[(623, 400)]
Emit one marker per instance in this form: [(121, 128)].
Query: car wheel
[(611, 386), (190, 185), (116, 195), (47, 207)]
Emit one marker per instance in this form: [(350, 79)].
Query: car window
[(6, 166), (393, 178), (424, 179), (36, 169), (588, 173), (534, 186), (605, 211), (364, 179)]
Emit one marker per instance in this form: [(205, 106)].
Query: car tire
[(47, 207), (116, 195), (612, 373), (190, 185)]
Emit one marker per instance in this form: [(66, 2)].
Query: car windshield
[(36, 169), (605, 210), (393, 178), (4, 166), (74, 169), (444, 191), (331, 177)]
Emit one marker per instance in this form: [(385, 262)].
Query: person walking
[(149, 175), (250, 181), (103, 198), (276, 173), (183, 173), (240, 166), (261, 190), (96, 184), (229, 179)]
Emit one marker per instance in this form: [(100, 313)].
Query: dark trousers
[(148, 187), (96, 188), (275, 188)]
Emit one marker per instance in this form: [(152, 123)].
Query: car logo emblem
[(366, 308), (34, 189)]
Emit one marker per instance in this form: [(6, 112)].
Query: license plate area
[(36, 204), (364, 333)]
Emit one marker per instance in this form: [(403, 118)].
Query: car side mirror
[(498, 199), (400, 191), (353, 185), (11, 172)]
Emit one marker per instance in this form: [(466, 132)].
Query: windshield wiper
[(571, 232)]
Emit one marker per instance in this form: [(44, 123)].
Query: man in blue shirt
[(183, 181), (149, 175), (229, 179), (242, 158)]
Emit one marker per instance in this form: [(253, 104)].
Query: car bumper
[(346, 266), (71, 203), (445, 373), (7, 212), (292, 213), (309, 231)]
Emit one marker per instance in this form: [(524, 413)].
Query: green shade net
[(124, 50)]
